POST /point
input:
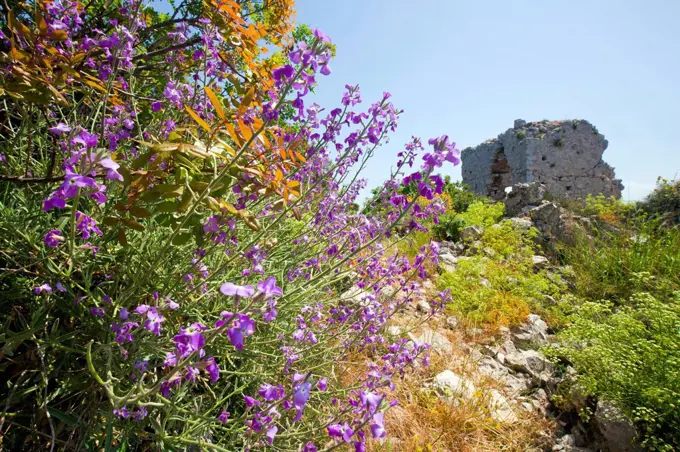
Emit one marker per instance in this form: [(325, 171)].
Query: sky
[(468, 69)]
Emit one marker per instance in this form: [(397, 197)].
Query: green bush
[(501, 289), (630, 355), (608, 263), (664, 202), (479, 213)]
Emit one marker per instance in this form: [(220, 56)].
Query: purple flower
[(53, 238), (370, 401), (269, 288), (212, 225), (271, 433), (322, 384), (139, 414), (190, 340), (43, 288), (309, 447), (270, 392), (53, 202), (60, 287), (231, 289), (250, 401), (242, 327), (124, 314), (59, 129), (122, 413), (378, 425), (213, 369), (321, 36), (98, 312), (343, 431), (224, 416), (112, 167), (86, 225), (156, 106), (283, 73), (153, 320), (87, 139)]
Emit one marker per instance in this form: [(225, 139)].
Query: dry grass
[(423, 422)]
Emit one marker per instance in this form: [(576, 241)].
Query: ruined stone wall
[(566, 156)]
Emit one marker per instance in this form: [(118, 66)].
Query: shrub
[(501, 289), (176, 228), (631, 356), (608, 209), (664, 202), (479, 213), (608, 264)]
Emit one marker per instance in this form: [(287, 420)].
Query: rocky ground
[(505, 373)]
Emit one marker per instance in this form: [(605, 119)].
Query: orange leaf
[(247, 99), (245, 130), (197, 118), (232, 133), (215, 102), (278, 174)]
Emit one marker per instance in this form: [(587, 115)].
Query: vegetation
[(177, 229)]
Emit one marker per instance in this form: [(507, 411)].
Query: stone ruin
[(565, 156)]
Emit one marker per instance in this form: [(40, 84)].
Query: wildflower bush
[(178, 231)]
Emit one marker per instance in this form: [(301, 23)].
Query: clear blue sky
[(469, 68)]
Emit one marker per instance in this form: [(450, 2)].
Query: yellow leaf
[(215, 102), (247, 99), (197, 118), (278, 174)]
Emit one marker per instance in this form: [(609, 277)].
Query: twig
[(38, 180), (147, 56)]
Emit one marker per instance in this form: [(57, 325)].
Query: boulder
[(540, 261), (451, 386), (523, 224), (423, 306), (529, 362), (533, 332), (471, 233), (615, 427), (500, 409), (521, 196), (447, 262), (438, 342)]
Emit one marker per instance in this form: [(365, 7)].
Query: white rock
[(437, 342), (423, 306), (500, 409), (451, 386), (540, 261)]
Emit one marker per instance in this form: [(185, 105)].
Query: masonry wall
[(566, 156)]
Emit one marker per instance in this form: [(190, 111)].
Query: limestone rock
[(452, 322), (471, 233), (533, 332), (530, 362), (523, 224), (423, 306), (616, 428), (447, 262), (450, 386), (540, 261), (521, 196), (500, 409), (438, 342)]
